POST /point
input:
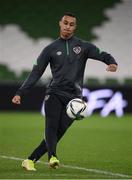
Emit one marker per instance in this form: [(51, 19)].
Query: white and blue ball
[(76, 109)]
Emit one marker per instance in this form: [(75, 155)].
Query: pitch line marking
[(75, 167)]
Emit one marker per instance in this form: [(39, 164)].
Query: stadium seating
[(23, 41), (114, 36), (6, 74), (128, 81), (112, 82)]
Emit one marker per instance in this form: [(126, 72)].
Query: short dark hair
[(69, 14)]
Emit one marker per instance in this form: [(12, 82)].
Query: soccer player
[(67, 57)]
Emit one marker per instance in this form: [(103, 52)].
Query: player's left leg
[(64, 123), (53, 108), (42, 149)]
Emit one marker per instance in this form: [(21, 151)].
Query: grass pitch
[(93, 148)]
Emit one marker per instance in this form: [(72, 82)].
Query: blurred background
[(101, 147), (26, 27)]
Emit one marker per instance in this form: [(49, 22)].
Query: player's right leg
[(64, 124), (28, 165), (38, 152)]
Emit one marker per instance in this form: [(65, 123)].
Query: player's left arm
[(95, 53), (112, 67)]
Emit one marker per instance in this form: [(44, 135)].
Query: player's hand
[(16, 99), (111, 67)]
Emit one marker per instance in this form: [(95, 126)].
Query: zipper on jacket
[(67, 48)]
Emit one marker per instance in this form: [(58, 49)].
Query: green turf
[(104, 144)]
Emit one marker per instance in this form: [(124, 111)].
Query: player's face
[(67, 26)]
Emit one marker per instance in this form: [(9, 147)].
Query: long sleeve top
[(67, 59)]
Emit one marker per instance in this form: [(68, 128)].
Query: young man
[(67, 57)]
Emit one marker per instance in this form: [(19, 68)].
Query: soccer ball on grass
[(76, 109)]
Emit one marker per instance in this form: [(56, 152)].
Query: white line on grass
[(75, 167), (55, 175)]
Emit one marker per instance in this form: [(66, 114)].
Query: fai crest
[(77, 49)]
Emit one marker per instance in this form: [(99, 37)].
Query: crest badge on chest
[(77, 49)]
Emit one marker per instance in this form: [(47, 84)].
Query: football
[(76, 109)]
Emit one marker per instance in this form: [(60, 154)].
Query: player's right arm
[(16, 99), (37, 71)]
